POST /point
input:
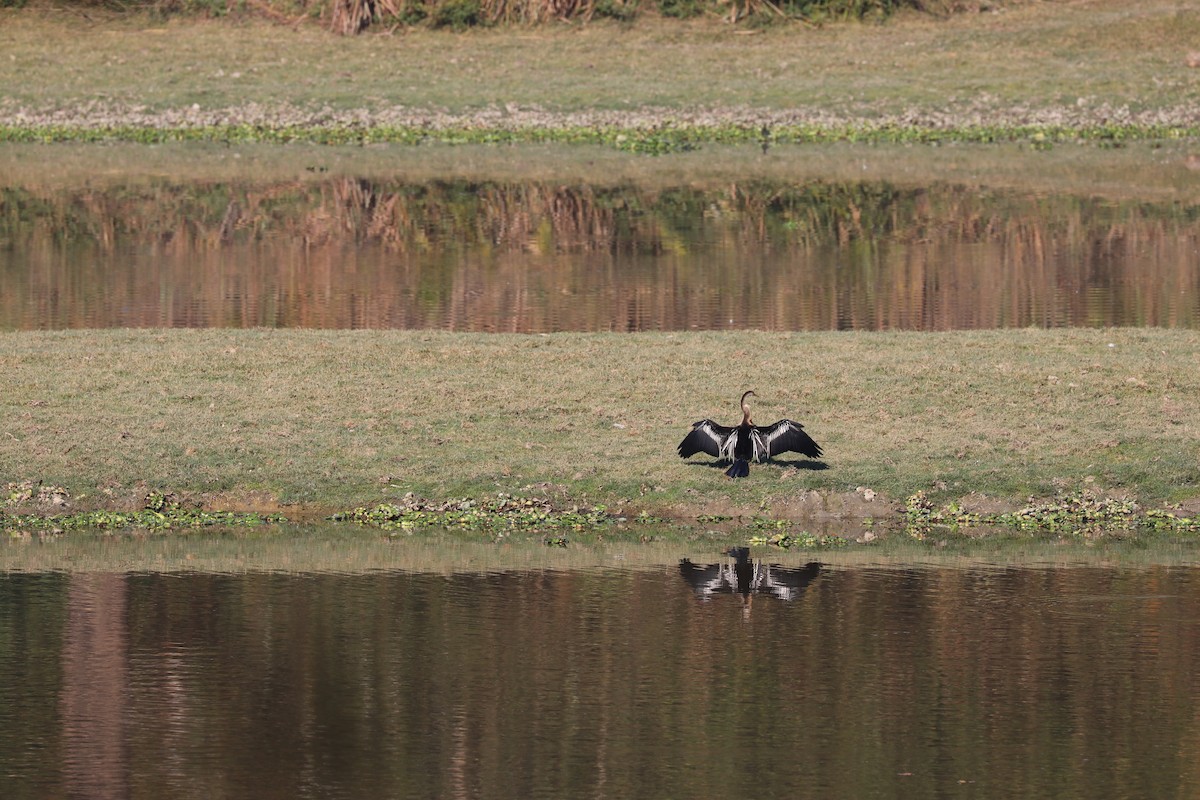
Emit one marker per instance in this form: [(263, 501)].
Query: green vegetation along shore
[(320, 421)]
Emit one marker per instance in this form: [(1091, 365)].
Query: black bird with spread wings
[(747, 442)]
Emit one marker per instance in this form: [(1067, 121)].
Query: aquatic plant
[(665, 136), (497, 516), (1162, 519), (800, 540), (1085, 514), (921, 516), (160, 511), (22, 492), (779, 533)]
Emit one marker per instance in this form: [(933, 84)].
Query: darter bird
[(747, 442)]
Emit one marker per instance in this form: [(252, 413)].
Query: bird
[(747, 442)]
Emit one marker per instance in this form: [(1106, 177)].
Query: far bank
[(1045, 71)]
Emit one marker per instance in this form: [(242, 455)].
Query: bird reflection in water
[(744, 577)]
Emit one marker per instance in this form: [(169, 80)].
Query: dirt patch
[(1188, 508), (808, 506), (250, 501), (983, 505)]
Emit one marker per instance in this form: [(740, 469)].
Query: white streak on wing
[(782, 427), (724, 443), (728, 445), (762, 451)]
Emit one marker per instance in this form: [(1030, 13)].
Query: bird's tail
[(739, 469)]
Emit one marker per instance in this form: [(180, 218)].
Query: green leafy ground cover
[(664, 137)]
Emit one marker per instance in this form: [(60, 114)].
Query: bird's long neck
[(746, 413)]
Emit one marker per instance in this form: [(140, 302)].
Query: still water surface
[(541, 256), (830, 681)]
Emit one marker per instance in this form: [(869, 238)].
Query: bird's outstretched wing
[(706, 437), (787, 435)]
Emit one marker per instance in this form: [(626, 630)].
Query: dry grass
[(1153, 172), (1097, 60), (339, 418)]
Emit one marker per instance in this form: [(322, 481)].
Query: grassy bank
[(1147, 172), (246, 419), (1104, 70)]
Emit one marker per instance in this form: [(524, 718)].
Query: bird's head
[(746, 404)]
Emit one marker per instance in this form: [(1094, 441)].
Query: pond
[(825, 679), (763, 246)]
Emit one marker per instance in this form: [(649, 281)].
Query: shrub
[(457, 14), (680, 9), (412, 12), (623, 10)]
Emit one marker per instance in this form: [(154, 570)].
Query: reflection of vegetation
[(454, 214), (443, 253), (33, 613), (1068, 676)]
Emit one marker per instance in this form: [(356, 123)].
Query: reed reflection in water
[(870, 682), (539, 257)]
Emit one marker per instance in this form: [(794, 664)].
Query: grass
[(1100, 63), (339, 419), (1149, 172)]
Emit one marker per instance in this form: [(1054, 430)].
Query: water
[(833, 681), (179, 667), (540, 255)]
